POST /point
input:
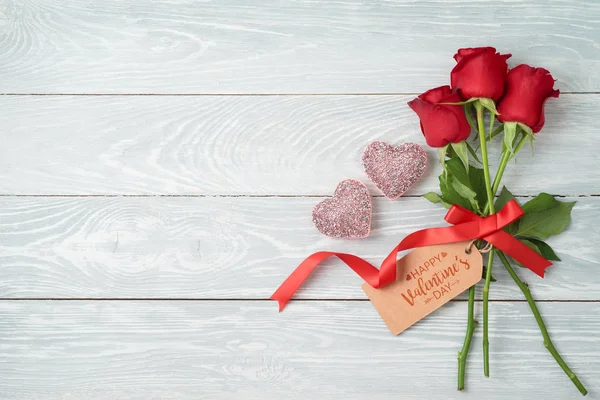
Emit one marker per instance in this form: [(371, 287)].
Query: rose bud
[(441, 123), (527, 89), (479, 72)]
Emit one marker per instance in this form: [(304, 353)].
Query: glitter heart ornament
[(394, 169), (347, 214)]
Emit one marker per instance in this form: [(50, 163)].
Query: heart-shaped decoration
[(394, 169), (347, 214)]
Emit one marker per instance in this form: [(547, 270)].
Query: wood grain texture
[(197, 46), (228, 248), (225, 350), (292, 149), (289, 145)]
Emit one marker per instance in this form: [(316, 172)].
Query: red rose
[(479, 72), (441, 123), (527, 89)]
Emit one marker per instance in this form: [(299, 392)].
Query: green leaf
[(449, 194), (504, 197), (433, 197), (465, 192), (541, 202), (436, 199), (462, 187), (462, 152), (455, 167), (544, 216), (470, 185), (473, 153), (543, 248), (510, 133), (477, 182), (442, 155), (489, 104)]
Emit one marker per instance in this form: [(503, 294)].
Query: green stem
[(462, 355), (501, 168), (484, 157), (490, 208), (486, 296), (538, 318), (506, 156)]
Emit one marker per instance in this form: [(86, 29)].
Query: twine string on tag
[(486, 249)]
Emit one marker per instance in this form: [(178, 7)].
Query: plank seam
[(245, 94), (253, 195), (265, 300)]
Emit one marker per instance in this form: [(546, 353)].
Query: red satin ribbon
[(467, 226)]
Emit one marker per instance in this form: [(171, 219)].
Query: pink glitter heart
[(394, 169), (347, 214)]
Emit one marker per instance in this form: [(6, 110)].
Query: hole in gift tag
[(429, 277)]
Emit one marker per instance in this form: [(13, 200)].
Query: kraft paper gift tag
[(427, 278)]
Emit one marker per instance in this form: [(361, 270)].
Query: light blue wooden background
[(158, 165)]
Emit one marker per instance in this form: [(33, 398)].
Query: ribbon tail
[(287, 289), (284, 293), (519, 251)]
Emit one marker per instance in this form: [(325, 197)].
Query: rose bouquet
[(485, 104), (498, 105)]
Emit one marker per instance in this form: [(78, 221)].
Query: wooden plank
[(333, 350), (193, 46), (228, 248), (291, 145)]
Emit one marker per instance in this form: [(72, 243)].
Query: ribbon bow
[(466, 226)]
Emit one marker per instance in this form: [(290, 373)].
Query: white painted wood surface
[(231, 248), (317, 350), (224, 145), (199, 205), (228, 46)]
